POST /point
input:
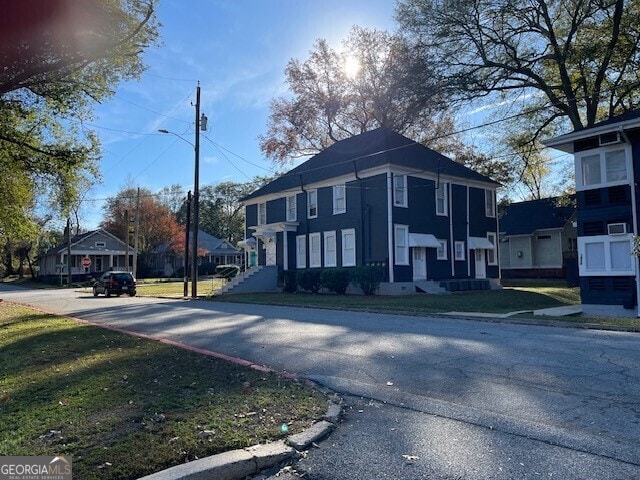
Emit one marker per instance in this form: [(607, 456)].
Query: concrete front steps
[(430, 286), (254, 280)]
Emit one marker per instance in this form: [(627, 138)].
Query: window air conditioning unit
[(617, 228), (609, 139)]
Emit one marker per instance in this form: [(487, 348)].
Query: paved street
[(426, 397)]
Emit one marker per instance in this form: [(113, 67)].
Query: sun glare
[(351, 66)]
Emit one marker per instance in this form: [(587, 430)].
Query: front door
[(481, 269), (98, 267), (270, 248), (419, 263)]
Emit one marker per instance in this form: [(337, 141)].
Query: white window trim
[(403, 200), (262, 213), (336, 189), (315, 256), (443, 244), (292, 217), (330, 258), (344, 233), (490, 194), (100, 244), (607, 240), (444, 187), (401, 256), (493, 262), (301, 251), (460, 253), (309, 194), (602, 151)]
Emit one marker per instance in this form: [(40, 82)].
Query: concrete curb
[(233, 465), (238, 464)]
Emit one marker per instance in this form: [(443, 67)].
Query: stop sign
[(86, 262)]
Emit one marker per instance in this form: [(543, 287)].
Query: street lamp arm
[(162, 130)]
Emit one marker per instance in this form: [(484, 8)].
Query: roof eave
[(565, 142)]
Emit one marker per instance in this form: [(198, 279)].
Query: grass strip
[(491, 301), (125, 407)]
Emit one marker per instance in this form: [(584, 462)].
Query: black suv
[(116, 283)]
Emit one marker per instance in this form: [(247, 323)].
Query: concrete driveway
[(426, 397)]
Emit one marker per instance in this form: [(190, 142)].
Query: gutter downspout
[(367, 237), (390, 224), (468, 249), (634, 214), (451, 242)]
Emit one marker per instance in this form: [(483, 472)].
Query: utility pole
[(126, 240), (135, 238), (186, 245), (69, 278), (196, 202)]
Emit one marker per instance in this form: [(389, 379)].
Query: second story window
[(600, 168), (489, 203), (292, 208), (262, 213), (441, 199), (400, 190), (339, 199), (312, 204)]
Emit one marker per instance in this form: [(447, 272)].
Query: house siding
[(547, 252), (368, 200), (597, 208), (375, 213)]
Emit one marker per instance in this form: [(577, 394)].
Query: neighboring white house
[(538, 238)]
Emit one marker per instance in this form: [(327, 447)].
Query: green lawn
[(172, 288), (517, 296), (125, 407), (492, 301)]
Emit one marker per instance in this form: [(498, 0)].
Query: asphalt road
[(427, 398)]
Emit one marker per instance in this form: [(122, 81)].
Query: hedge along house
[(607, 161), (378, 198)]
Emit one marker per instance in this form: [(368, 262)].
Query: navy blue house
[(607, 162), (378, 198)]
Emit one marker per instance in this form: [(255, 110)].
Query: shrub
[(368, 278), (287, 281), (309, 280), (206, 268), (335, 279)]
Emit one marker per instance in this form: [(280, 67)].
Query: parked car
[(115, 283)]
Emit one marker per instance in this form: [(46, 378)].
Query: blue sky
[(238, 51)]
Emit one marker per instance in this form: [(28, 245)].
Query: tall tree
[(374, 80), (60, 57), (157, 223), (570, 61), (221, 210)]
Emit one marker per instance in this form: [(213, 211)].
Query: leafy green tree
[(221, 211), (58, 59), (558, 62)]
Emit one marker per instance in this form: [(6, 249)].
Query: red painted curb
[(173, 343)]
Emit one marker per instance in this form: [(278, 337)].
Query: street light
[(201, 123)]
